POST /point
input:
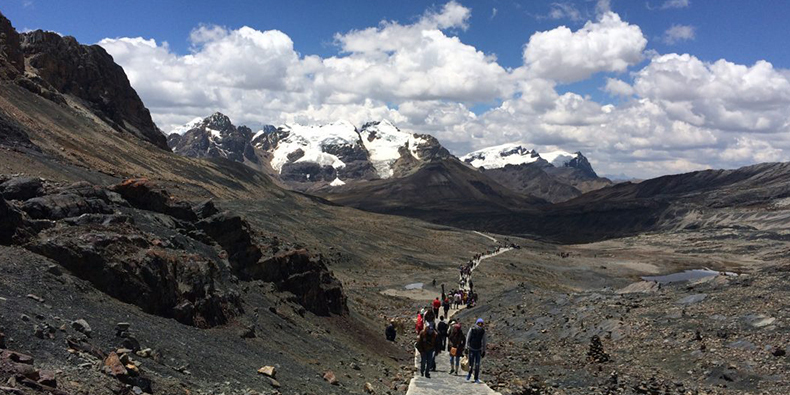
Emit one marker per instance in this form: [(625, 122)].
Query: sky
[(642, 88)]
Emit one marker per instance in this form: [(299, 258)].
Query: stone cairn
[(596, 353)]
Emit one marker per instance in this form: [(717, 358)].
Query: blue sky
[(619, 87)]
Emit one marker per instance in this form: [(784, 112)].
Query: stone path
[(441, 382)]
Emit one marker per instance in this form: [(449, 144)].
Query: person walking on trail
[(390, 332), (441, 340), (456, 342), (476, 348), (426, 344), (436, 305), (420, 323), (458, 299), (446, 306)]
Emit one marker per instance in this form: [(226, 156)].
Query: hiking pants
[(425, 362), (474, 363), (456, 360)]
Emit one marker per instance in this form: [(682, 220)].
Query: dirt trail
[(441, 382)]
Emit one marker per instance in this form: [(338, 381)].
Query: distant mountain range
[(324, 157)]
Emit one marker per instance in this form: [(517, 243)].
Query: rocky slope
[(214, 137)]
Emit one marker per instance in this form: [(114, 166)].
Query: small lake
[(687, 275), (414, 286)]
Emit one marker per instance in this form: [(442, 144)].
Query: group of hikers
[(435, 337)]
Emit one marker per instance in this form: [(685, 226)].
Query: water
[(414, 286), (687, 275)]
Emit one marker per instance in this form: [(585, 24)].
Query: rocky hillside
[(214, 137), (554, 176), (58, 68)]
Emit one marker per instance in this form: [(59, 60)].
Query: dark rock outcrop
[(64, 205), (125, 264), (233, 234), (305, 276), (89, 73), (12, 223), (145, 194), (12, 60), (21, 188)]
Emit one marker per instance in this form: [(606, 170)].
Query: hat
[(479, 321)]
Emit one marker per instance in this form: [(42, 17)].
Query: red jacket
[(437, 304), (419, 325)]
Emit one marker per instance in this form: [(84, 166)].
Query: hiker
[(446, 306), (436, 305), (476, 348), (455, 345), (458, 299), (441, 335), (420, 323), (429, 318), (390, 332), (426, 344)]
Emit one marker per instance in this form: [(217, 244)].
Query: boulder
[(234, 235), (205, 209), (12, 225), (305, 276), (146, 195), (268, 371), (329, 376), (125, 264), (114, 367), (81, 326), (64, 205), (21, 188)]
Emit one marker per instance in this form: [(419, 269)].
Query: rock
[(36, 298), (64, 205), (47, 378), (89, 73), (759, 320), (205, 209), (354, 366), (644, 287), (234, 235), (403, 388), (13, 225), (596, 352), (38, 332), (2, 340), (82, 326), (305, 276), (147, 195), (692, 299), (779, 352), (329, 376), (122, 327), (16, 357), (369, 388), (131, 343), (21, 188), (144, 353), (114, 367), (248, 332), (268, 371), (274, 383), (13, 59), (123, 262)]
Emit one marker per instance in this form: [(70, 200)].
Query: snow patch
[(558, 158), (501, 155), (312, 140), (181, 130), (337, 182), (384, 147)]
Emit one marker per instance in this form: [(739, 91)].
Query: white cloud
[(609, 44), (674, 4), (678, 33), (564, 11), (679, 114), (618, 87)]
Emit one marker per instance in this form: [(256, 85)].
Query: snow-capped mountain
[(555, 176), (515, 154), (307, 155), (213, 137)]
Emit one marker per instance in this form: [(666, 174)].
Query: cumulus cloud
[(609, 44), (678, 33), (564, 11), (678, 114)]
